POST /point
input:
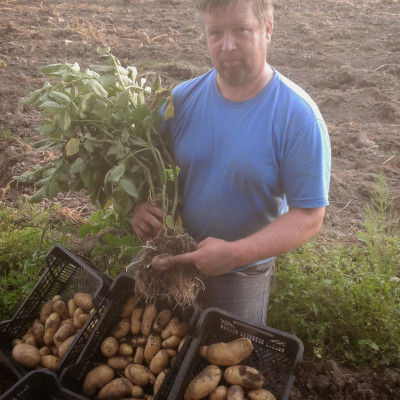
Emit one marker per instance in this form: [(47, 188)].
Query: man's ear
[(268, 31)]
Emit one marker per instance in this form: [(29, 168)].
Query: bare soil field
[(344, 53)]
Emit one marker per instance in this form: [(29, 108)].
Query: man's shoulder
[(191, 85)]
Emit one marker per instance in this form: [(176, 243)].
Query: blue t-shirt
[(243, 163)]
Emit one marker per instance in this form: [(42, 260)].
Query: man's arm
[(215, 256)]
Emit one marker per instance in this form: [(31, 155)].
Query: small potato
[(162, 319), (139, 355), (219, 393), (96, 379), (127, 308), (29, 339), (159, 362), (109, 346), (63, 333), (229, 354), (139, 375), (125, 349), (137, 392), (56, 298), (80, 317), (50, 362), (50, 328), (171, 353), (159, 380), (171, 343), (245, 376), (83, 300), (119, 362), (203, 351), (26, 355), (71, 307), (46, 311), (149, 315), (138, 341), (153, 346), (203, 383), (235, 392), (16, 341), (62, 350), (45, 351), (117, 388), (167, 332), (136, 319), (181, 329), (260, 394), (38, 330), (121, 329), (61, 309)]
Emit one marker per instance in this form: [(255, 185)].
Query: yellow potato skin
[(219, 393), (247, 377), (235, 392), (97, 378), (229, 354), (203, 383), (139, 375), (116, 389), (260, 394), (26, 355)]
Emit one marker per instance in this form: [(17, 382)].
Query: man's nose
[(228, 42)]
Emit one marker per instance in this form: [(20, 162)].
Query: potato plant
[(102, 124)]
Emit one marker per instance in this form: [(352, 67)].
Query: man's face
[(237, 42)]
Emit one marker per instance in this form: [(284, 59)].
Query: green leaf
[(129, 187), (102, 68), (50, 107), (72, 147), (96, 88), (50, 69), (64, 120), (39, 195), (78, 166), (46, 130), (115, 174), (59, 97), (103, 50)]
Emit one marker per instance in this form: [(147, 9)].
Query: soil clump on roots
[(179, 285)]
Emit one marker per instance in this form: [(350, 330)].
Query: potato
[(171, 342), (121, 329), (136, 319), (38, 333), (127, 308), (71, 307), (245, 376), (119, 362), (115, 389), (80, 317), (50, 362), (139, 355), (159, 362), (62, 350), (28, 338), (162, 319), (51, 327), (219, 393), (167, 332), (63, 333), (149, 315), (45, 351), (203, 383), (260, 394), (125, 349), (235, 392), (46, 311), (138, 341), (180, 329), (96, 379), (137, 391), (56, 298), (109, 346), (229, 354), (153, 346), (61, 308), (16, 341), (84, 301), (26, 355), (67, 321), (139, 375), (159, 380), (171, 353)]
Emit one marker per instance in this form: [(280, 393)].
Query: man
[(254, 155)]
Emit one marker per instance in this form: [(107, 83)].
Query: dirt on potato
[(344, 53)]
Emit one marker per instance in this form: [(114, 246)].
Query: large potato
[(128, 307), (159, 362), (153, 346), (162, 320), (51, 327), (149, 315), (83, 300), (46, 311), (245, 376), (203, 383), (116, 389), (61, 309), (121, 329), (228, 354), (26, 355), (139, 375), (50, 362), (63, 333), (119, 362), (136, 319), (62, 350), (96, 379), (109, 346)]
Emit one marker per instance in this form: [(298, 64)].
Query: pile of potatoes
[(224, 378), (51, 335), (138, 353)]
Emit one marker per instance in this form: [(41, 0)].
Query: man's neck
[(247, 90)]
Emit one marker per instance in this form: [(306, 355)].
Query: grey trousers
[(242, 293)]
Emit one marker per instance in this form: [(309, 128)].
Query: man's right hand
[(146, 220)]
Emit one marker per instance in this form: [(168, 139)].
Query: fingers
[(146, 220)]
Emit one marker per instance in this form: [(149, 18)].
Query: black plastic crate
[(276, 354), (122, 287), (39, 385), (66, 274)]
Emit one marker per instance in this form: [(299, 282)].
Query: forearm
[(284, 234)]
